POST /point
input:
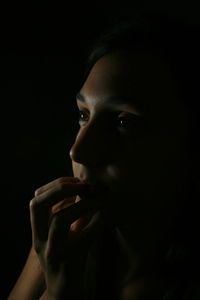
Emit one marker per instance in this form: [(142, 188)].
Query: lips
[(95, 190), (98, 189)]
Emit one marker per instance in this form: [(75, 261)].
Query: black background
[(42, 50)]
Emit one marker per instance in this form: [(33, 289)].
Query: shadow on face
[(133, 136)]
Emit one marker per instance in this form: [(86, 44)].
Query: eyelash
[(129, 120), (81, 114)]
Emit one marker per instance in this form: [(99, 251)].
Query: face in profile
[(132, 136)]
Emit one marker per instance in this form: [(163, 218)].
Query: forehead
[(141, 76)]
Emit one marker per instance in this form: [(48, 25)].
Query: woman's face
[(132, 136)]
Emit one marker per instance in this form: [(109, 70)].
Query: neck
[(144, 253), (120, 265)]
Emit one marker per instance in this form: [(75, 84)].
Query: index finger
[(41, 206), (60, 180)]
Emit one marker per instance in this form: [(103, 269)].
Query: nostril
[(71, 154), (88, 150), (75, 156)]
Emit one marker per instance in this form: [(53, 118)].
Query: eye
[(122, 122), (83, 116), (129, 122), (126, 120)]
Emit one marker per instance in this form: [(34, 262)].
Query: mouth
[(97, 191)]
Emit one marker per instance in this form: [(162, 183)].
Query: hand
[(63, 229)]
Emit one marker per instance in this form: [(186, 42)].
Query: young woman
[(125, 225)]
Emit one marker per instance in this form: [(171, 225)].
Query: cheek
[(145, 176)]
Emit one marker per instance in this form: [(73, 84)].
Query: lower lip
[(96, 192)]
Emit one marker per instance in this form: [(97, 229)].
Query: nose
[(93, 146)]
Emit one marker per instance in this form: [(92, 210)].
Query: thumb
[(95, 227)]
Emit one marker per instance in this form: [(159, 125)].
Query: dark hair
[(177, 42), (173, 39)]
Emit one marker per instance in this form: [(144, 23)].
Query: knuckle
[(39, 190), (60, 180), (36, 193), (33, 203), (60, 186)]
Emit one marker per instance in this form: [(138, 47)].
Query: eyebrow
[(119, 100), (80, 97)]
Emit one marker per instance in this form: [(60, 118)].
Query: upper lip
[(96, 184), (90, 180)]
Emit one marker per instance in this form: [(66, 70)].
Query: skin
[(139, 160), (126, 160)]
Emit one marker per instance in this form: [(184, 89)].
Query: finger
[(89, 228), (95, 227), (89, 222), (58, 241), (60, 180), (40, 206), (77, 226), (63, 204)]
